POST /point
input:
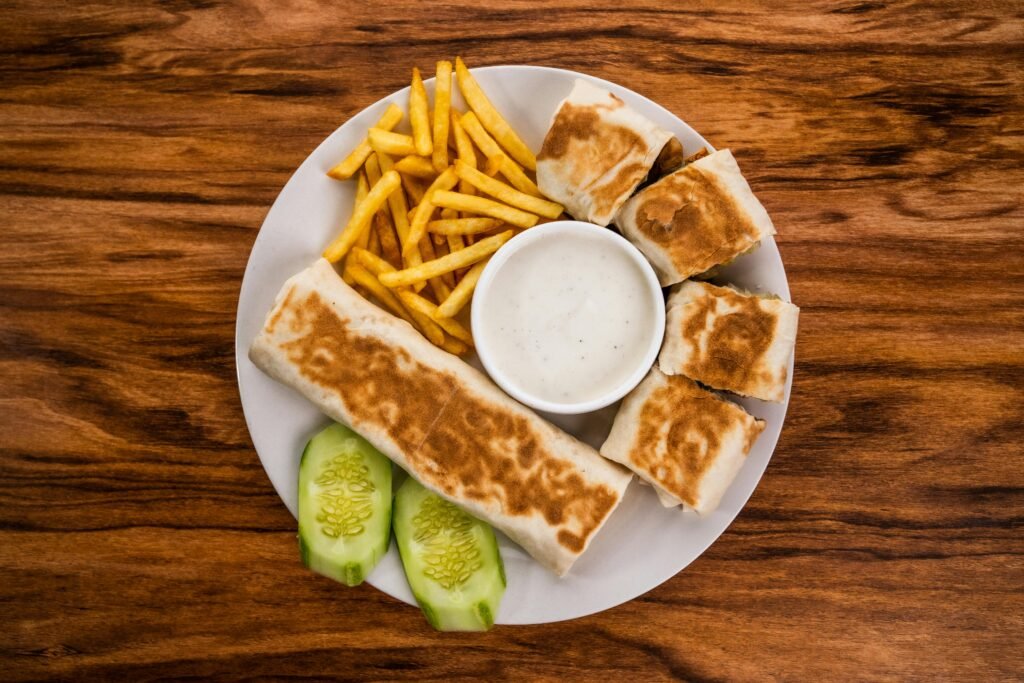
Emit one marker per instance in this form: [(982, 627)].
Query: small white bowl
[(550, 231)]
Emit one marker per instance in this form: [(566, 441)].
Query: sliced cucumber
[(451, 560), (344, 505)]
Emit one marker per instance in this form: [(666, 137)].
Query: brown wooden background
[(141, 145)]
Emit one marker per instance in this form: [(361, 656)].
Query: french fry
[(391, 143), (416, 166), (418, 115), (399, 210), (355, 160), (517, 178), (486, 207), (459, 259), (491, 119), (441, 249), (429, 328), (373, 244), (455, 243), (369, 281), (363, 189), (359, 222), (415, 302), (506, 193), (425, 208), (461, 295), (386, 237), (463, 226), (480, 137), (414, 189), (423, 321), (437, 284), (454, 346), (442, 102)]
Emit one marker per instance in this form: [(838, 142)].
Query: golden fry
[(425, 208), (506, 193), (437, 284), (354, 161), (442, 102), (414, 189), (484, 142), (414, 302), (359, 222), (424, 322), (391, 143), (463, 226), (486, 207), (399, 210), (453, 346), (386, 238), (418, 167), (372, 172), (368, 280), (373, 244), (491, 119), (418, 115), (461, 295), (446, 264), (463, 145), (517, 178)]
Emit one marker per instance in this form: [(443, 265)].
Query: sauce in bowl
[(568, 317)]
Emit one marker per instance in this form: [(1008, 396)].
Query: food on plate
[(416, 166), (439, 154), (499, 163), (463, 226), (354, 161), (388, 142), (442, 103), (419, 117), (359, 222), (669, 159), (437, 417), (447, 264), (425, 209), (344, 505), (491, 119), (698, 217), (451, 560), (729, 340), (596, 152), (462, 293), (486, 207), (507, 193), (687, 442), (569, 316)]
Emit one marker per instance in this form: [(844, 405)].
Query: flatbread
[(597, 150), (698, 217), (438, 418), (685, 441), (729, 340)]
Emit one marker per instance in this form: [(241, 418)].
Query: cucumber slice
[(451, 560), (344, 505)]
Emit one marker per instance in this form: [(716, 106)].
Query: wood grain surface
[(142, 144)]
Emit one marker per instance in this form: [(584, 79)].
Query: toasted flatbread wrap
[(686, 441), (694, 219), (438, 418)]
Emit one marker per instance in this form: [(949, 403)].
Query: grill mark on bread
[(680, 434), (741, 332), (454, 440), (587, 142), (694, 219)]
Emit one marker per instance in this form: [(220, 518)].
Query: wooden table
[(141, 146)]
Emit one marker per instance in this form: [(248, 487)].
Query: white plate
[(642, 544)]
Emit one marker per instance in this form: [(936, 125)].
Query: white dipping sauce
[(568, 319)]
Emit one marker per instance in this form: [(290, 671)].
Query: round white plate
[(642, 544)]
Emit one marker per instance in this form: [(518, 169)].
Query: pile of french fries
[(434, 205)]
